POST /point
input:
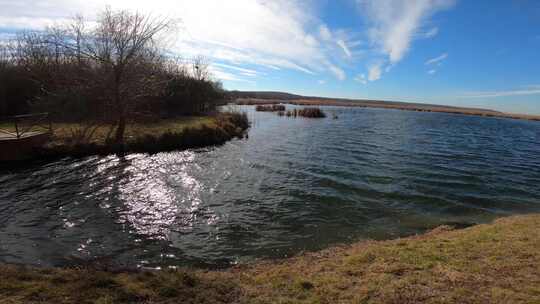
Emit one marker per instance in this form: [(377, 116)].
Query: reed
[(306, 112), (311, 113), (270, 108)]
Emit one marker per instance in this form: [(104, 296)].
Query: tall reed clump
[(311, 113), (270, 108), (306, 112), (292, 113)]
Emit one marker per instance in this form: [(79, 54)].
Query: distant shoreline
[(418, 107)]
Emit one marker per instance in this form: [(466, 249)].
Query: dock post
[(17, 129)]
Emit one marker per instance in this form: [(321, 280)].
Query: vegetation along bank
[(491, 263)]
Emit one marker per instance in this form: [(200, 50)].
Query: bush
[(306, 112), (311, 113)]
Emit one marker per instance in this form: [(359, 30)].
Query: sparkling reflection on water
[(295, 184)]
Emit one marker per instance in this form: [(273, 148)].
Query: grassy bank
[(164, 135), (495, 263)]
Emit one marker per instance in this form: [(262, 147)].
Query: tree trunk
[(119, 136)]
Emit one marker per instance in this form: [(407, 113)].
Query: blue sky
[(481, 53)]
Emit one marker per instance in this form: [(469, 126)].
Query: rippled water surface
[(294, 185)]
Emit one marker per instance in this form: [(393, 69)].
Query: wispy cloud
[(432, 72), (361, 78), (395, 23), (534, 90), (324, 32), (344, 47), (431, 33), (374, 72), (225, 75), (338, 72), (243, 71), (437, 60)]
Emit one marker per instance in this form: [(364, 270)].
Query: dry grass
[(64, 133), (311, 113), (270, 108), (78, 140), (498, 263), (495, 263), (24, 285), (305, 112)]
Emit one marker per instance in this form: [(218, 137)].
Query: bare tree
[(114, 70), (5, 56), (5, 60), (124, 47), (124, 42), (200, 68)]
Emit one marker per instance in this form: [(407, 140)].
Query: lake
[(294, 185)]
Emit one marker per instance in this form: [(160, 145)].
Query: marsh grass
[(270, 108), (305, 112), (494, 263), (311, 113)]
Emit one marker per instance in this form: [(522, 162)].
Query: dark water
[(295, 184)]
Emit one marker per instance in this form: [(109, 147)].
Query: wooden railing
[(27, 124)]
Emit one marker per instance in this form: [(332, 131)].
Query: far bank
[(404, 106)]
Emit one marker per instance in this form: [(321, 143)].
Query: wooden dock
[(5, 136), (28, 133)]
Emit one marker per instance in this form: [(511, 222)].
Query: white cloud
[(432, 71), (374, 72), (361, 78), (492, 94), (324, 32), (431, 33), (395, 23), (344, 47), (339, 73), (437, 60), (321, 82), (243, 71), (224, 75)]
